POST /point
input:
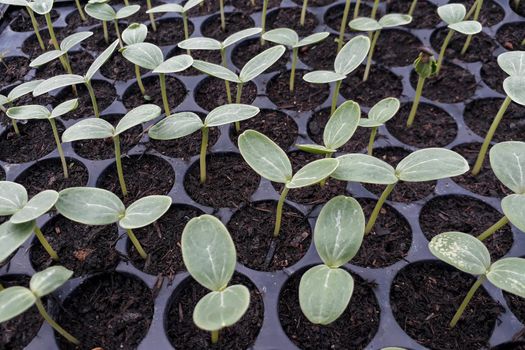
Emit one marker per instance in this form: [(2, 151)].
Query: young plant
[(186, 123), (95, 206), (17, 92), (64, 80), (98, 128), (29, 112), (267, 159), (44, 7), (325, 290), (15, 300), (454, 16), (289, 38), (209, 255), (25, 4), (134, 34), (176, 8), (423, 165), (150, 56), (23, 214), (347, 60), (378, 115), (365, 24), (476, 10), (104, 23), (468, 254)]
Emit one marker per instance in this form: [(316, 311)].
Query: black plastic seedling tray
[(269, 284)]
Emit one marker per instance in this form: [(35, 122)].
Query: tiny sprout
[(325, 290), (63, 80), (16, 93), (378, 115), (150, 56), (267, 159), (425, 66), (95, 206), (209, 255), (182, 124), (44, 7), (468, 254), (511, 63), (97, 128), (423, 165), (289, 37), (40, 112), (347, 60), (23, 213), (454, 16), (34, 23), (15, 300), (365, 24), (134, 34)]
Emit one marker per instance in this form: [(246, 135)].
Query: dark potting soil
[(248, 49), (510, 346), (96, 42), (334, 15), (98, 149), (251, 228), (2, 174), (80, 62), (315, 3), (480, 48), (314, 194), (493, 75), (35, 141), (432, 127), (105, 94), (403, 192), (520, 10), (161, 241), (424, 298), (81, 248), (119, 68), (305, 97), (211, 93), (425, 14), (388, 242), (48, 174), (396, 47), (320, 55), (21, 22), (183, 333), (13, 69), (141, 15), (316, 126), (276, 125), (74, 21), (207, 8), (109, 311), (169, 31), (381, 84), (289, 17), (510, 35), (212, 56), (491, 13), (31, 47), (175, 90), (485, 183), (516, 305), (453, 84), (247, 7), (230, 182), (144, 174), (18, 332), (235, 21), (468, 215), (353, 330)]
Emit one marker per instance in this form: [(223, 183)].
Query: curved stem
[(214, 337), (356, 8), (478, 6), (370, 54), (344, 23), (490, 135), (59, 147), (223, 18), (105, 30), (238, 100), (373, 133), (294, 64), (151, 16), (415, 104), (45, 243), (51, 30), (117, 30), (36, 29), (303, 12), (279, 213), (263, 19), (139, 80), (374, 9), (202, 157), (335, 96), (412, 7), (467, 299), (81, 11), (137, 244), (93, 98), (53, 324), (377, 208), (118, 160), (162, 78), (492, 229), (443, 49), (226, 82)]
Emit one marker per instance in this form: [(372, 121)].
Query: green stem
[(43, 241), (139, 80), (59, 147), (412, 7), (67, 66), (344, 23), (1, 287), (137, 244), (80, 11), (118, 160), (371, 140), (443, 49), (356, 8), (51, 30), (303, 12), (36, 29), (279, 213), (151, 16), (238, 100), (105, 30), (223, 18), (373, 217), (214, 337), (490, 135), (415, 104), (226, 82), (15, 127), (263, 19), (53, 324), (492, 229), (162, 78), (335, 96), (185, 23), (471, 10), (323, 181), (467, 299), (477, 5), (374, 9), (523, 42), (370, 54), (117, 30), (93, 98), (294, 64), (126, 2), (204, 148)]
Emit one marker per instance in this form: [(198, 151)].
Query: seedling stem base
[(377, 208), (59, 147), (279, 213), (204, 149), (492, 229), (444, 49), (118, 160), (373, 133), (137, 244), (40, 236), (162, 78), (467, 299), (415, 104), (53, 324)]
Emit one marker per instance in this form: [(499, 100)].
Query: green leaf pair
[(204, 43), (135, 33), (67, 44), (17, 92), (42, 7), (454, 14), (104, 12), (513, 63), (175, 7), (29, 112)]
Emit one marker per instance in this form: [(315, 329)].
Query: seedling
[(104, 12), (209, 255), (378, 115), (186, 123), (104, 23), (64, 80), (97, 128), (150, 56), (513, 64), (325, 290), (289, 38), (425, 66), (23, 214), (134, 34), (95, 206), (15, 300), (267, 159), (29, 112), (476, 10), (44, 7), (347, 60), (468, 254), (454, 16), (16, 93), (365, 24), (423, 165), (36, 29)]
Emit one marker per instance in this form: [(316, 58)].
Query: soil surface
[(80, 62), (235, 22), (396, 47), (31, 47), (175, 90), (517, 306), (247, 7), (511, 35), (21, 22), (212, 56), (74, 21), (119, 68), (105, 94), (170, 31), (334, 15), (13, 69), (491, 13), (321, 55), (425, 14), (248, 49), (290, 18), (493, 75), (480, 48), (211, 93), (96, 43), (520, 9)]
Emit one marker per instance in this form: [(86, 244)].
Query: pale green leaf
[(351, 55), (15, 2), (135, 33), (100, 11), (364, 168), (100, 60), (191, 4), (46, 57), (127, 11), (513, 207), (176, 126), (12, 236), (365, 24), (216, 71), (315, 149), (137, 116), (28, 112), (13, 197), (312, 39), (41, 6), (384, 110), (23, 89), (166, 8), (57, 82), (44, 282), (507, 160), (174, 64), (313, 173), (394, 20), (14, 301), (283, 36), (87, 129), (3, 100), (240, 35), (145, 55), (258, 64), (230, 113), (342, 125), (509, 274), (514, 87), (512, 62), (145, 211), (323, 77), (37, 206), (452, 13), (431, 164), (200, 43), (72, 40), (64, 107), (466, 27)]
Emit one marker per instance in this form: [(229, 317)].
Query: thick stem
[(45, 243), (356, 8), (335, 96), (214, 337), (490, 135), (478, 6), (415, 104), (51, 30), (162, 78), (117, 30), (294, 64), (443, 49), (492, 229), (238, 100), (15, 127), (370, 54), (53, 324), (303, 12), (373, 133), (344, 23), (467, 299), (226, 82), (263, 19), (59, 147), (105, 30), (93, 98), (202, 158), (36, 29), (151, 16), (223, 18), (118, 160), (80, 11), (279, 213), (374, 9), (377, 208), (412, 7), (137, 244), (139, 80)]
